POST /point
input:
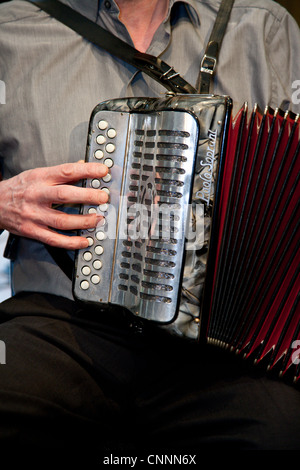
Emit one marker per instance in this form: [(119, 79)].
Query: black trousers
[(82, 383)]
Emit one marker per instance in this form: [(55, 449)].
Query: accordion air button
[(97, 264), (108, 162), (102, 124), (98, 250), (99, 154), (106, 178), (95, 279), (86, 270), (100, 139), (87, 256), (111, 133), (84, 285), (95, 184), (110, 148)]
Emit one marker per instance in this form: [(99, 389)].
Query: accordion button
[(111, 133), (95, 279), (99, 154), (110, 148), (100, 236), (92, 210), (97, 264), (108, 162), (86, 270), (100, 139), (90, 240), (102, 124), (106, 190), (98, 250), (95, 184), (107, 178), (103, 207), (87, 256), (84, 285)]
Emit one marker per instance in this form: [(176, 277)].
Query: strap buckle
[(208, 64), (166, 75)]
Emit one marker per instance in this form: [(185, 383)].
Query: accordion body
[(201, 233)]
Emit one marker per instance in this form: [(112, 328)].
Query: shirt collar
[(191, 7), (90, 8)]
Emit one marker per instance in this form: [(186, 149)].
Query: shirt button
[(107, 4)]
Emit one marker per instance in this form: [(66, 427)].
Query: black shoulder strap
[(153, 66), (209, 61)]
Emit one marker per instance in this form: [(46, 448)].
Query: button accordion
[(201, 232)]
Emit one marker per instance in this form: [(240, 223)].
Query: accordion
[(201, 233)]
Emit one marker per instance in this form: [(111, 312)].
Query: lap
[(72, 375)]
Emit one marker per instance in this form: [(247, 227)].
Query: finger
[(52, 238), (65, 194), (61, 221), (72, 172)]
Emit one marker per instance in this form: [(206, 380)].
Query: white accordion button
[(110, 148), (95, 279), (100, 139), (106, 190), (99, 154), (97, 264), (102, 124), (90, 240), (103, 207), (100, 236), (106, 178), (95, 184), (87, 256), (84, 285), (98, 250), (92, 210), (86, 270), (108, 162), (111, 133)]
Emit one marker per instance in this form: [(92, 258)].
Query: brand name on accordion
[(208, 164)]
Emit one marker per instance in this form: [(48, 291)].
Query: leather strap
[(152, 66), (209, 61)]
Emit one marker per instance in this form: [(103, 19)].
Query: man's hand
[(26, 203)]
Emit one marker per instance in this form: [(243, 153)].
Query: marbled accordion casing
[(149, 256), (201, 232)]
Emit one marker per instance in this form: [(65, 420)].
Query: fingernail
[(100, 221)]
